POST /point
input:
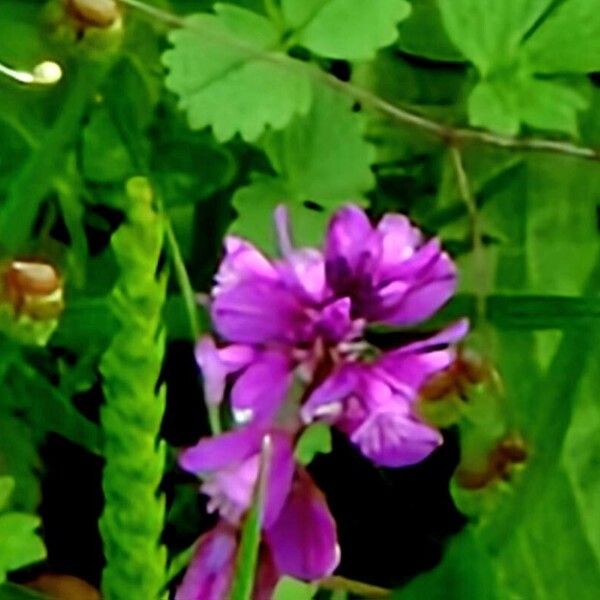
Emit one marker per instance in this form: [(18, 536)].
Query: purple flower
[(211, 571), (285, 302), (391, 274), (373, 403), (299, 532), (260, 377)]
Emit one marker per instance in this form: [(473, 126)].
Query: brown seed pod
[(64, 587), (467, 369), (95, 13), (33, 288), (500, 463)]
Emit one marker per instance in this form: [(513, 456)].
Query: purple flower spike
[(390, 274)]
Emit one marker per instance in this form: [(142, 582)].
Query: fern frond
[(133, 517)]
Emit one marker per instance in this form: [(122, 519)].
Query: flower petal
[(258, 312), (407, 368), (261, 389), (242, 261), (335, 322), (346, 246), (327, 401), (303, 540), (221, 451), (394, 438), (216, 364), (210, 573)]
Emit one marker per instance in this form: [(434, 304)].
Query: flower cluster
[(291, 350)]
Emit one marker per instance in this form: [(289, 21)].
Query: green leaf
[(350, 29), (308, 156), (293, 589), (105, 158), (502, 104), (489, 32), (255, 205), (315, 149), (581, 456), (19, 544), (550, 105), (7, 485), (220, 68), (314, 440), (423, 33), (574, 28), (495, 105), (466, 571)]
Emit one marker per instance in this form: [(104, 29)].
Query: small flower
[(373, 403), (391, 274), (210, 573), (299, 533)]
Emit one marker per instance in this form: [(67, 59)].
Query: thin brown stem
[(479, 268), (444, 132)]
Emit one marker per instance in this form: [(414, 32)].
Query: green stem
[(35, 179)]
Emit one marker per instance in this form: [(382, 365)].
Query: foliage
[(133, 516), (184, 121)]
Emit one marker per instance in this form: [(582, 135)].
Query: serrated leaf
[(489, 32), (315, 149), (494, 37), (222, 78), (495, 105), (574, 28), (350, 29), (255, 205), (502, 104), (423, 33), (19, 544)]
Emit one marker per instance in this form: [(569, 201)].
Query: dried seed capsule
[(98, 13), (500, 463), (33, 288)]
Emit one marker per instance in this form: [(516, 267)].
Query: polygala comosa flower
[(290, 349)]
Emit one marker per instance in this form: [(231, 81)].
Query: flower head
[(391, 274)]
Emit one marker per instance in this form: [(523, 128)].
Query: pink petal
[(261, 389), (258, 312), (221, 451), (209, 575), (394, 438), (242, 261), (303, 540), (327, 401), (346, 246)]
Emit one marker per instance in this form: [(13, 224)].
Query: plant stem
[(444, 132), (479, 266), (35, 179)]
